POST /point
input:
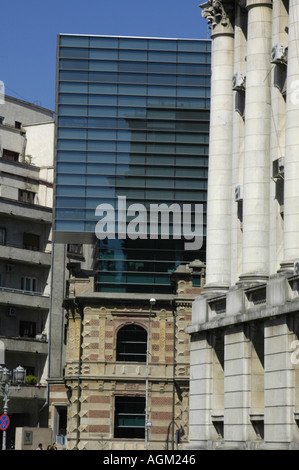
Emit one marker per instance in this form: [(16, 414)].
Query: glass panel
[(162, 91), (73, 76), (103, 54), (102, 88), (72, 133), (100, 134), (70, 202), (139, 78), (108, 66), (132, 43), (133, 55), (69, 64), (163, 45), (69, 156), (103, 77), (69, 226), (153, 67), (162, 79), (191, 45), (73, 52), (73, 87), (131, 101), (71, 167), (104, 42), (72, 98), (104, 100), (101, 146), (102, 111), (75, 41), (161, 56), (71, 145), (70, 191), (132, 67), (132, 89), (72, 110)]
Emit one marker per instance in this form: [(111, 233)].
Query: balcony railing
[(20, 291)]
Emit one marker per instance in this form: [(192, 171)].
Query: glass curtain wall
[(132, 121)]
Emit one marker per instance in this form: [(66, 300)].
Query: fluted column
[(257, 143), (220, 147), (291, 170), (240, 44), (277, 144)]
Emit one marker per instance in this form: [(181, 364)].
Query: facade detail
[(127, 366), (244, 332)]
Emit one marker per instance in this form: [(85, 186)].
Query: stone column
[(277, 141), (291, 170), (220, 150), (257, 141), (240, 45)]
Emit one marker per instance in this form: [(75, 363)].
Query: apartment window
[(75, 249), (1, 120), (27, 330), (2, 236), (18, 124), (129, 419), (10, 155), (26, 196), (29, 284), (31, 241), (131, 344)]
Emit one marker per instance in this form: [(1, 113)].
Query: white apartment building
[(26, 195), (244, 380)]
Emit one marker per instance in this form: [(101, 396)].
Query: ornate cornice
[(219, 14)]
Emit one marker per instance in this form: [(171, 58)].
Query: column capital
[(220, 16)]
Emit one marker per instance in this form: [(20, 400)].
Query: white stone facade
[(244, 373)]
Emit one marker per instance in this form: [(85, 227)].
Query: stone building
[(244, 389), (118, 396)]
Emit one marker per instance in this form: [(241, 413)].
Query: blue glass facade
[(132, 120)]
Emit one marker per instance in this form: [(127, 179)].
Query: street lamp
[(147, 423), (19, 375)]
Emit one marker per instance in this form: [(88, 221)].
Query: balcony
[(23, 210), (23, 298), (24, 345), (18, 254)]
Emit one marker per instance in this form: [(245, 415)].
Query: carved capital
[(219, 14)]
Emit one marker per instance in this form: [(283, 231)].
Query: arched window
[(131, 344)]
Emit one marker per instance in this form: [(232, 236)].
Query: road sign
[(4, 422)]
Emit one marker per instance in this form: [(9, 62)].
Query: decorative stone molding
[(219, 14)]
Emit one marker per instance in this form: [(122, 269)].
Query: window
[(26, 196), (2, 236), (18, 125), (27, 330), (29, 284), (10, 155), (129, 420), (131, 344), (30, 241), (75, 249)]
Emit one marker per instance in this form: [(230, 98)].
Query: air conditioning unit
[(278, 168), (239, 82), (238, 193), (12, 311), (278, 54), (296, 267)]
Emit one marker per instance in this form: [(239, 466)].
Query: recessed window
[(18, 125), (129, 420), (131, 344), (30, 241), (26, 196), (10, 155), (27, 329), (2, 236), (29, 284)]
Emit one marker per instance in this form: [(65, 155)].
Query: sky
[(29, 34)]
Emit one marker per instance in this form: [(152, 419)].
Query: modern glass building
[(132, 121)]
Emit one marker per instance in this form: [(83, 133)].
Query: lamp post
[(147, 424), (19, 375)]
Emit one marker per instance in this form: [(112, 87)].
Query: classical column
[(240, 45), (277, 141), (291, 170), (218, 15), (256, 179)]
